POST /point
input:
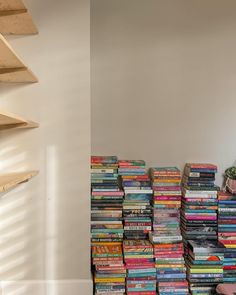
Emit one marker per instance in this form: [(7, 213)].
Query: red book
[(119, 193), (227, 221), (202, 166), (228, 267), (137, 243), (104, 159), (228, 242)]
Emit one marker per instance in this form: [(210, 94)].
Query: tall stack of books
[(227, 233), (204, 263), (106, 200), (110, 272), (199, 202), (107, 226), (169, 261), (137, 210), (166, 236), (141, 272), (166, 185)]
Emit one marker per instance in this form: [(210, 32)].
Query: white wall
[(44, 229), (163, 80)]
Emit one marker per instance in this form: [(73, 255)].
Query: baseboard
[(51, 287)]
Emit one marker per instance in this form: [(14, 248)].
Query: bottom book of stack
[(141, 271), (204, 263), (110, 272)]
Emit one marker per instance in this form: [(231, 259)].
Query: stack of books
[(137, 210), (141, 271), (204, 263), (166, 235), (166, 185), (106, 200), (227, 233), (169, 260), (199, 202), (110, 272), (170, 287)]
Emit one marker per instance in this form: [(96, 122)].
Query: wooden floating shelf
[(11, 180), (12, 68), (15, 18), (10, 121)]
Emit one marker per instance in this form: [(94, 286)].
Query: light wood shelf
[(11, 180), (12, 68), (15, 18), (10, 121)]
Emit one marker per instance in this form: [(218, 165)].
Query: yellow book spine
[(139, 256), (230, 246), (106, 243), (167, 202), (169, 265), (206, 270), (166, 180), (109, 280)]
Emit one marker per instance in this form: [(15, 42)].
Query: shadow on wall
[(21, 248)]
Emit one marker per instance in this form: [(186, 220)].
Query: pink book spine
[(201, 218), (167, 198), (135, 261), (167, 256), (107, 193), (140, 266)]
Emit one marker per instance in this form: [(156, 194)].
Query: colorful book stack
[(166, 185), (166, 235), (199, 202), (110, 272), (169, 261), (204, 263), (141, 271), (106, 200), (227, 233), (137, 210), (170, 288)]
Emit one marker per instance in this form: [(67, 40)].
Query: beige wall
[(44, 230), (163, 80)]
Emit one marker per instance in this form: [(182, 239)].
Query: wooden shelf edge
[(15, 18), (11, 180), (28, 124), (11, 121), (12, 68), (17, 75)]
